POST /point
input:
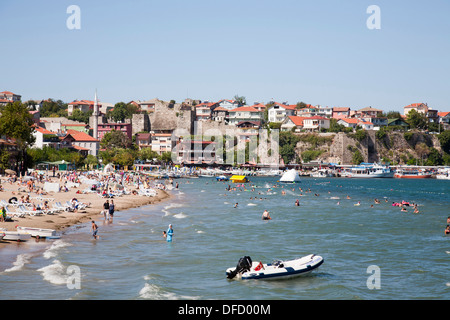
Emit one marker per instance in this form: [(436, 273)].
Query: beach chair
[(22, 209), (14, 213)]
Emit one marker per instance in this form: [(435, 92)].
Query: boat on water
[(290, 176), (443, 174), (238, 179), (38, 232), (15, 235), (322, 173), (222, 178), (246, 269), (368, 170), (412, 173)]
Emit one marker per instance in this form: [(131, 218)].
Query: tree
[(80, 116), (357, 157), (301, 105), (52, 108), (444, 139), (240, 100), (115, 139), (422, 150), (17, 123), (416, 120), (148, 154)]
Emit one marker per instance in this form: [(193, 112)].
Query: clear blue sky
[(319, 52)]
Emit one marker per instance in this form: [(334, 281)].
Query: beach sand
[(64, 219)]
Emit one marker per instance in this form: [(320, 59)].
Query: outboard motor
[(244, 264)]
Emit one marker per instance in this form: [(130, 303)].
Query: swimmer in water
[(266, 215)]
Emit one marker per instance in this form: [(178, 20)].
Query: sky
[(318, 52)]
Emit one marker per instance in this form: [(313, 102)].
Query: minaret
[(95, 114)]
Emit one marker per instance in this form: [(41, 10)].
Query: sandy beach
[(62, 220)]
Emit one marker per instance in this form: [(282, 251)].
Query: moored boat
[(246, 269), (15, 235), (38, 232), (412, 173), (443, 174), (368, 170)]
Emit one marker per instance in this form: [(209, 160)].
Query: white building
[(316, 123), (278, 112), (244, 114)]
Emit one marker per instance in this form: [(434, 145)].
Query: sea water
[(132, 260)]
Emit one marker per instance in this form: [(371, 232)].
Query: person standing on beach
[(94, 229), (169, 233)]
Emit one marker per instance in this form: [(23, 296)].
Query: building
[(82, 105), (245, 113), (419, 107), (196, 152), (8, 97), (228, 104), (277, 112), (340, 112), (162, 142), (220, 114), (104, 128), (144, 140), (368, 112), (316, 123), (291, 122), (444, 119), (397, 122), (203, 111), (80, 141), (348, 122), (45, 137)]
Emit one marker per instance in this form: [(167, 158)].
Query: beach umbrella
[(9, 171)]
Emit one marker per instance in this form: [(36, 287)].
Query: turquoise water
[(131, 260)]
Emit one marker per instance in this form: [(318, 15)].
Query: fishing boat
[(246, 269), (38, 232), (290, 176), (15, 235), (412, 173), (368, 170), (443, 174)]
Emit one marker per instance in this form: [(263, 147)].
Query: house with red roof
[(80, 141), (340, 112), (291, 122), (316, 123), (245, 113), (82, 105), (277, 112), (203, 111), (44, 137), (444, 119), (8, 97)]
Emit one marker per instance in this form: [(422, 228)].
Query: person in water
[(169, 233), (94, 229), (447, 229), (266, 215)]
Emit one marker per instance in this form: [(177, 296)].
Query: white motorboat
[(443, 174), (15, 235), (290, 176), (38, 232), (368, 170), (322, 173), (246, 269)]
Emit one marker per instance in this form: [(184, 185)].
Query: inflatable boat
[(246, 269)]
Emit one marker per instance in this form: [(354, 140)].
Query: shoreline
[(62, 220)]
